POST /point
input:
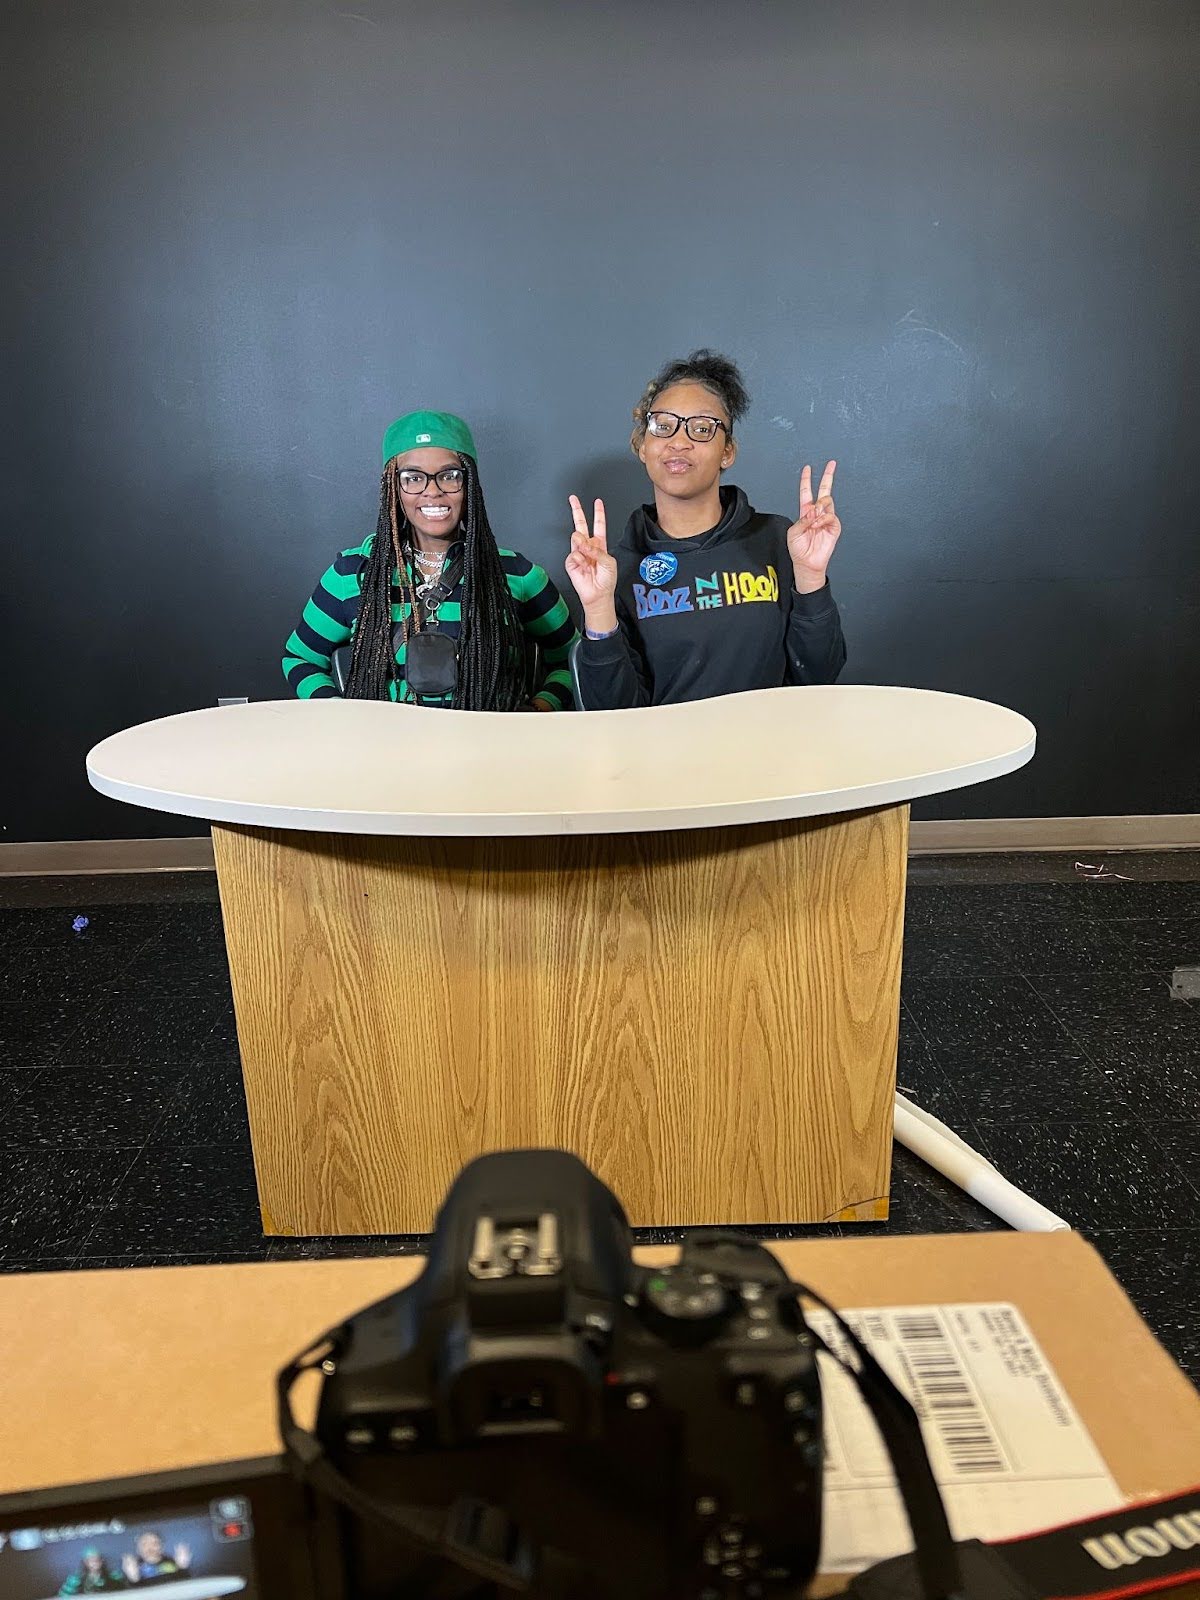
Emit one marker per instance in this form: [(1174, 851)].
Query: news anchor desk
[(667, 939)]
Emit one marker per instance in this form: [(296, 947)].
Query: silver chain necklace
[(431, 567)]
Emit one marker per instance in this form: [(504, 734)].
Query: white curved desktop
[(352, 766), (668, 939)]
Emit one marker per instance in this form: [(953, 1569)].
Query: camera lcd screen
[(201, 1552)]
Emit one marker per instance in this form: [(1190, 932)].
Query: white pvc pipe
[(917, 1130)]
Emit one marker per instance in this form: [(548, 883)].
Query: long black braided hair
[(494, 663)]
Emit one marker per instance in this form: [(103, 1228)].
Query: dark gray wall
[(953, 245)]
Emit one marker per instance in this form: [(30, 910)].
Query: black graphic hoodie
[(707, 616)]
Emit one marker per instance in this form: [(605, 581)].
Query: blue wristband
[(612, 632)]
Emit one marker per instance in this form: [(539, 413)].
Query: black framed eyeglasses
[(664, 424), (449, 480)]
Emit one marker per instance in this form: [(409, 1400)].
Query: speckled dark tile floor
[(1037, 1021)]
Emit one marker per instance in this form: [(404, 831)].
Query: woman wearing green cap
[(429, 608), (93, 1575)]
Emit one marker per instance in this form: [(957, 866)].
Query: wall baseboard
[(74, 856), (990, 835), (961, 836)]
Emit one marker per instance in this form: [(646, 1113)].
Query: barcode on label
[(945, 1397)]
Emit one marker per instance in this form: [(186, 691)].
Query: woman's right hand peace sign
[(591, 569)]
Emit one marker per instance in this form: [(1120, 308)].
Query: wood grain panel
[(708, 1018)]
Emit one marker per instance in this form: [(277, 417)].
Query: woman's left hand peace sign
[(812, 537)]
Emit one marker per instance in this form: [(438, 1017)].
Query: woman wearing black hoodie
[(703, 595)]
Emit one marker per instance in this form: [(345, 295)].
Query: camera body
[(645, 1431)]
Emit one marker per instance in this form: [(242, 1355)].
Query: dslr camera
[(591, 1426)]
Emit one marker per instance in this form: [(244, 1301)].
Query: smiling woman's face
[(433, 509), (679, 466)]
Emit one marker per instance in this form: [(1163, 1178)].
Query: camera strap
[(1137, 1549), (935, 1555)]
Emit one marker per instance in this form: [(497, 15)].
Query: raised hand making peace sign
[(591, 569), (811, 539)]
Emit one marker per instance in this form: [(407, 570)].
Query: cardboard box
[(190, 1353)]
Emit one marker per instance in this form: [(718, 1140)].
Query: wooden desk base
[(708, 1018)]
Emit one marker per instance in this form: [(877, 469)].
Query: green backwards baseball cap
[(421, 428)]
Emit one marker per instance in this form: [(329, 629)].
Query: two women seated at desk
[(702, 596)]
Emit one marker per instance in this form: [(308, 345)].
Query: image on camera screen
[(186, 1553)]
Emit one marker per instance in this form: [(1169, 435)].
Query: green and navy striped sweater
[(331, 617)]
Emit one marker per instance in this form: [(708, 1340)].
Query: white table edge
[(532, 824)]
